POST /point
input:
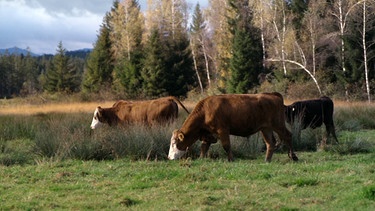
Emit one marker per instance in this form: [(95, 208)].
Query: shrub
[(274, 86), (69, 136), (16, 152), (351, 147), (16, 135), (303, 90), (306, 139), (355, 117)]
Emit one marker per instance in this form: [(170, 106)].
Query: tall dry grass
[(16, 107), (30, 109), (32, 132)]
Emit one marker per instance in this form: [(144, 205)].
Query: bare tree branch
[(301, 66)]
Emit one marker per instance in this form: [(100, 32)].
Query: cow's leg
[(207, 139), (270, 142), (225, 142), (286, 136), (204, 149), (330, 128)]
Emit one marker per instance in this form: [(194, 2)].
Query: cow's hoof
[(293, 157)]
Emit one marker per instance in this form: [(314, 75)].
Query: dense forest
[(300, 48)]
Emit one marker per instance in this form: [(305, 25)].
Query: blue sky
[(42, 24)]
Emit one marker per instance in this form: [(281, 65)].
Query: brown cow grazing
[(237, 114), (150, 112)]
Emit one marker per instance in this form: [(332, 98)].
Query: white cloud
[(33, 24), (42, 24)]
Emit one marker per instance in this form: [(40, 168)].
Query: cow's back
[(162, 110), (314, 112), (241, 114), (147, 112)]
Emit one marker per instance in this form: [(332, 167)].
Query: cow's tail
[(179, 102)]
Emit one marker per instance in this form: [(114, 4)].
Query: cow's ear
[(99, 109), (180, 136)]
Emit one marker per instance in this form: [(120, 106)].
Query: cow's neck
[(111, 115), (191, 129)]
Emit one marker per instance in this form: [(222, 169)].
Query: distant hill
[(16, 51), (81, 53)]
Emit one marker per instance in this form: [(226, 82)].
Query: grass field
[(319, 181), (49, 159)]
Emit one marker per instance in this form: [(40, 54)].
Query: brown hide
[(150, 112), (236, 114)]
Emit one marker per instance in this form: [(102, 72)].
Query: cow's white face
[(95, 120), (174, 152)]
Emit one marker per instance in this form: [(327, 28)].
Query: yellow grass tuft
[(25, 108), (28, 109)]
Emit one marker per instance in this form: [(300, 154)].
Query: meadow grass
[(52, 160), (319, 181)]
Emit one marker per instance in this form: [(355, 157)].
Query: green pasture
[(319, 181), (54, 161)]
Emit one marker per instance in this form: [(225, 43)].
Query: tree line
[(300, 48)]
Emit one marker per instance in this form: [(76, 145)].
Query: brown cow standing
[(237, 114), (150, 112)]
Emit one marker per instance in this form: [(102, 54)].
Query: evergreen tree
[(171, 57), (126, 36), (154, 72), (100, 63), (127, 74), (179, 65), (31, 72), (6, 69), (298, 8), (62, 74), (246, 60), (15, 71)]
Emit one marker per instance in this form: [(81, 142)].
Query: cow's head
[(294, 112), (176, 140), (290, 112), (97, 120)]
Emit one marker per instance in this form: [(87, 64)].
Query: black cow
[(312, 113)]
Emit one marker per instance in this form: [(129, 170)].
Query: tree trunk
[(365, 51), (196, 71), (206, 63)]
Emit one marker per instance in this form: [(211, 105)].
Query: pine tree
[(30, 85), (179, 64), (246, 61), (6, 69), (169, 20), (154, 72), (126, 36), (127, 75), (299, 8), (100, 63), (62, 74)]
